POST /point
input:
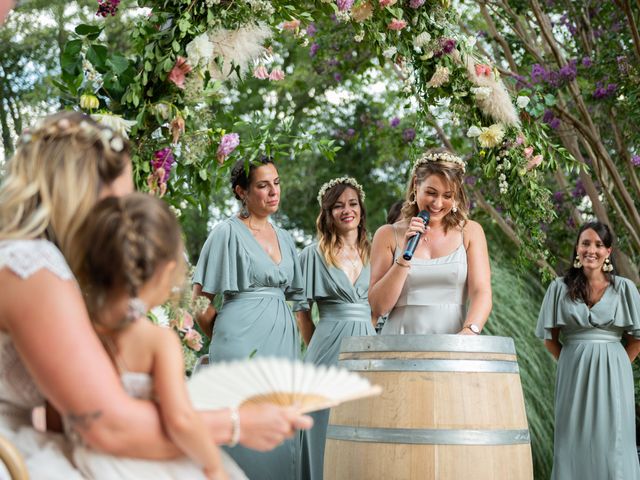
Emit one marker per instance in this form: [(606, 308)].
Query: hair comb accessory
[(337, 181), (437, 157)]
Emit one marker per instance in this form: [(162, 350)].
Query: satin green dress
[(594, 399), (344, 312), (254, 319)]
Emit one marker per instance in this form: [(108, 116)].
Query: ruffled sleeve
[(550, 315), (295, 290), (312, 275), (627, 309), (224, 267)]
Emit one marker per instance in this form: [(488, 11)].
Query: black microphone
[(413, 241)]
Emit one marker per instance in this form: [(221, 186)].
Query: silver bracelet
[(235, 427)]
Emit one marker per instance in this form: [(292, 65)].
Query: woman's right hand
[(416, 225), (265, 426)]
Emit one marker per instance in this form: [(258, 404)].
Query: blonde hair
[(121, 245), (453, 174), (328, 240), (55, 178)]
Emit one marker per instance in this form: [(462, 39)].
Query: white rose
[(199, 50), (522, 101), (421, 40), (389, 52), (473, 132)]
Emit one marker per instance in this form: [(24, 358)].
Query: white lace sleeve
[(26, 257)]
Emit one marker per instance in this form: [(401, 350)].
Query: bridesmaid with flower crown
[(336, 272)]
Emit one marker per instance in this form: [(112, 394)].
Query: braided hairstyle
[(121, 245), (55, 177), (242, 170)]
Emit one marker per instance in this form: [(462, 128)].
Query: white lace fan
[(276, 380)]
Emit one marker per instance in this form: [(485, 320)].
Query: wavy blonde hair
[(328, 240), (55, 177), (453, 174)]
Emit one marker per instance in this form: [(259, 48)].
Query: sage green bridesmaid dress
[(254, 319), (344, 312), (594, 399)]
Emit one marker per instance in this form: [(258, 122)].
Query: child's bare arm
[(183, 424)]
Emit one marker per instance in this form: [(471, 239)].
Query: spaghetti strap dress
[(433, 299), (594, 436), (254, 320), (344, 312)]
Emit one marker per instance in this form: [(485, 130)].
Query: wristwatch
[(473, 327)]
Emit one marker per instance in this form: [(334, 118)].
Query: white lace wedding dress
[(47, 454)]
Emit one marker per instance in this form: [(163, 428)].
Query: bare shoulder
[(473, 229)]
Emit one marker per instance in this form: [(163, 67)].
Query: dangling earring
[(413, 202), (606, 266), (577, 263), (454, 209), (136, 308), (244, 211)]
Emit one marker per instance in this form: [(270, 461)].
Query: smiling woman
[(450, 266), (583, 318), (336, 272)]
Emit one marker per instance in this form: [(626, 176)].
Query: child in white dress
[(130, 258)]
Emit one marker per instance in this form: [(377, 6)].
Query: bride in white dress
[(47, 344)]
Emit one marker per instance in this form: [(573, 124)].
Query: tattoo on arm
[(76, 424)]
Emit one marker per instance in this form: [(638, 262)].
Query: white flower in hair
[(337, 181), (437, 157), (115, 123)]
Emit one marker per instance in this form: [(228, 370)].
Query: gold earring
[(577, 263)]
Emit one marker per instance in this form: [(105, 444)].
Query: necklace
[(355, 263)]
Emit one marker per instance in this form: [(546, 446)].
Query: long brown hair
[(55, 176), (453, 174), (328, 240), (122, 243)]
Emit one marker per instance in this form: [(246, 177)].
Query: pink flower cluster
[(262, 73), (184, 325), (228, 143), (178, 73), (161, 165)]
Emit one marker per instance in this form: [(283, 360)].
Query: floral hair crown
[(107, 136), (337, 181), (437, 157)]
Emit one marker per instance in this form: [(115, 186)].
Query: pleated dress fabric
[(594, 395), (344, 312), (254, 320)]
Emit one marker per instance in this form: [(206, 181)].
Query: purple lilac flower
[(548, 116), (555, 123), (163, 159), (569, 71), (313, 50), (337, 77), (416, 3), (599, 93), (578, 191), (228, 143), (351, 132), (558, 197), (586, 62), (635, 160), (611, 88), (107, 7), (553, 78), (538, 73), (311, 29), (408, 135), (344, 5), (395, 121)]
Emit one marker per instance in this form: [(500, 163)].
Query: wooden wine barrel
[(452, 408)]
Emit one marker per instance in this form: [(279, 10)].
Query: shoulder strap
[(395, 238)]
